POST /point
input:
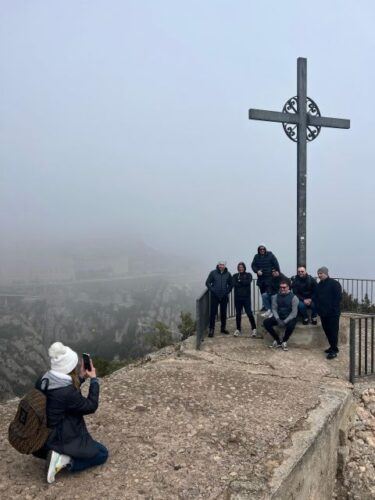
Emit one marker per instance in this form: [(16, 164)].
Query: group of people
[(283, 299)]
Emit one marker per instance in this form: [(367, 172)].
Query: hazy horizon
[(131, 118)]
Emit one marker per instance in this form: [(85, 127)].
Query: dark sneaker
[(224, 331), (327, 351), (211, 333), (305, 321), (314, 321), (331, 355)]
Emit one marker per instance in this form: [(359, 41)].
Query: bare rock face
[(110, 320), (359, 469), (23, 356)]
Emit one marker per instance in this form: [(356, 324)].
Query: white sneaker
[(237, 333), (265, 314), (275, 344), (254, 333), (284, 346), (56, 464), (269, 313)]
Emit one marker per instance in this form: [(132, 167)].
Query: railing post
[(352, 351), (199, 323)]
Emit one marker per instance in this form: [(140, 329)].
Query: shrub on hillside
[(161, 336), (187, 326)]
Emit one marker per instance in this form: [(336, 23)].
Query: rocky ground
[(358, 476), (185, 424)]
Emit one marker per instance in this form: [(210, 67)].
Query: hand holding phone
[(86, 361), (88, 365)]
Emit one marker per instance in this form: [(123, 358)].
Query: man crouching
[(284, 310)]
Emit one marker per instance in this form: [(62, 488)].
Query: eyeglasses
[(283, 288)]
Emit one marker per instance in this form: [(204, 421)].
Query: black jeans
[(244, 303), (269, 323), (215, 302), (330, 326)]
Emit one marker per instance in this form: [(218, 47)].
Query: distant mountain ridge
[(86, 259)]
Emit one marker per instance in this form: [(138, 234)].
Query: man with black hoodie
[(304, 286), (263, 263), (242, 298), (327, 298), (219, 283)]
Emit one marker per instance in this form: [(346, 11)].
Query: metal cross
[(302, 122)]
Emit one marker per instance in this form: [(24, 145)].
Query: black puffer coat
[(304, 288), (219, 283), (264, 263), (65, 410)]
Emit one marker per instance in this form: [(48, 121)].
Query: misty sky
[(132, 117)]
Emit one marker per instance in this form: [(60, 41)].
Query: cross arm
[(323, 121), (272, 116)]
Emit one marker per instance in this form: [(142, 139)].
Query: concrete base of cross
[(304, 336)]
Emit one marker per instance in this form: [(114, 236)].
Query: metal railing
[(358, 297), (202, 316), (362, 347), (203, 309)]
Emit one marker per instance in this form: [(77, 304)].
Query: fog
[(131, 118)]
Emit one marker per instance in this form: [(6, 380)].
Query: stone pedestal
[(304, 336)]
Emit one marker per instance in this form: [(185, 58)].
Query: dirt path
[(185, 424)]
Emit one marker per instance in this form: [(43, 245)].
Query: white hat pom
[(63, 358), (56, 349)]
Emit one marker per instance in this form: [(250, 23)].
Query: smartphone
[(86, 361)]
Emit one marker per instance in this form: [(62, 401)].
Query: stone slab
[(305, 336)]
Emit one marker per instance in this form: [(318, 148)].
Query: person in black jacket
[(242, 298), (327, 297), (304, 287), (263, 263), (69, 444), (273, 288), (276, 279), (219, 283)]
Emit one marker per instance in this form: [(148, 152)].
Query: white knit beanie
[(63, 358)]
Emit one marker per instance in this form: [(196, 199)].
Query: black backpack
[(28, 431)]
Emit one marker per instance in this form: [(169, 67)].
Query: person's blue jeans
[(266, 299), (79, 464), (302, 309)]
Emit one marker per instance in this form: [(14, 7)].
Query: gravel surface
[(184, 424)]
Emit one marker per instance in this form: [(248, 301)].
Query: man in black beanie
[(327, 298)]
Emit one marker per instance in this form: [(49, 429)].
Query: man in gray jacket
[(284, 310)]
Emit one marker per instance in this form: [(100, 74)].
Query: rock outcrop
[(358, 474), (110, 319)]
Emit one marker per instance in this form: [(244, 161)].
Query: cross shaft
[(303, 120)]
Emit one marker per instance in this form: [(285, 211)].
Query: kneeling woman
[(69, 444)]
